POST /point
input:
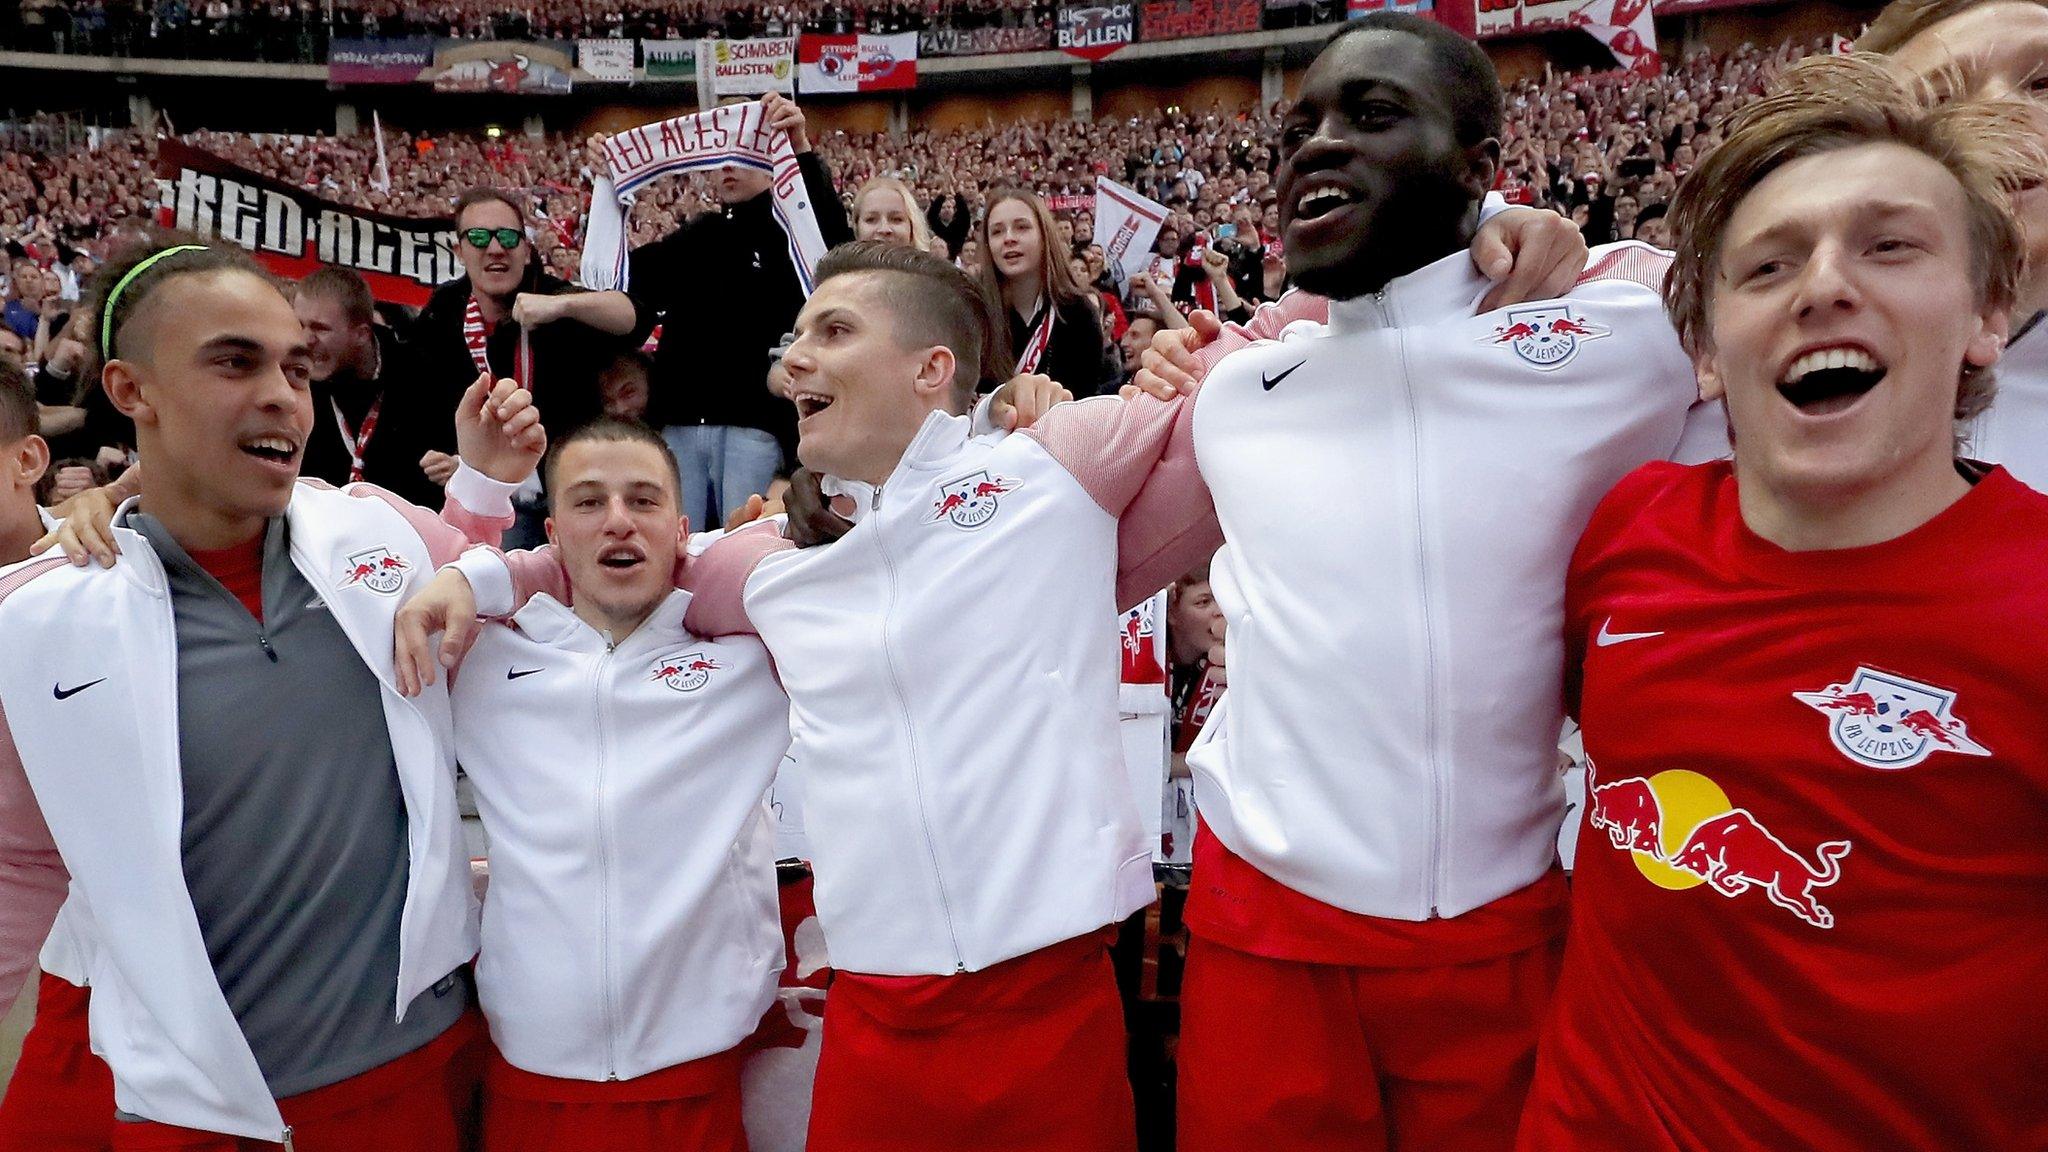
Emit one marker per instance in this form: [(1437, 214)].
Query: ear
[(31, 460), (1987, 344), (1706, 367), (934, 381), (548, 526), (1482, 164), (124, 385)]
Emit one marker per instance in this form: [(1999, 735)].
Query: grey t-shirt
[(294, 832)]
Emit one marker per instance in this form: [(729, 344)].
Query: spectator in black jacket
[(725, 291), (509, 318), (374, 418), (1054, 326), (951, 219)]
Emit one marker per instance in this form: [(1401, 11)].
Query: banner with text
[(982, 41), (502, 66), (748, 67), (1126, 225), (378, 61), (607, 60), (669, 59), (1353, 9), (868, 62), (1180, 19), (1094, 31), (292, 232)]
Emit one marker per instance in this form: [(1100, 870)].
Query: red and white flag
[(1126, 225), (866, 62), (1841, 45), (1628, 30)]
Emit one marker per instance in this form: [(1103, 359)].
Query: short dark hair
[(1470, 84), (344, 286), (614, 430), (486, 195), (201, 258), (945, 304), (18, 416)]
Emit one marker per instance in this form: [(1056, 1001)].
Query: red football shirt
[(1810, 909)]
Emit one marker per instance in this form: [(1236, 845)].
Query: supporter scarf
[(358, 439), (474, 333), (1041, 335), (732, 134)]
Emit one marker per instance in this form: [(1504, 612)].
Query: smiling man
[(631, 940), (1810, 889), (265, 861)]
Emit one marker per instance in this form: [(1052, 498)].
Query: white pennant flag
[(1126, 225), (382, 181)]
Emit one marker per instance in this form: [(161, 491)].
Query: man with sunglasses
[(508, 315)]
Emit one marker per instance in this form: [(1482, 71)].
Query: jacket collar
[(1451, 286), (938, 442), (551, 622)]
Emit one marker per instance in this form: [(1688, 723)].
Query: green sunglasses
[(480, 238)]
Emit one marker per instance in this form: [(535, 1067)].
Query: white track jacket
[(92, 786), (1388, 743), (631, 922), (953, 701)]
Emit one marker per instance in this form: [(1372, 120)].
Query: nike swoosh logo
[(1608, 638), (1269, 381), (63, 693), (515, 673)]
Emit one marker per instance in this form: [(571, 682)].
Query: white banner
[(610, 60), (747, 67), (1126, 225)]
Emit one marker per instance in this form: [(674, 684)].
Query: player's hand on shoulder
[(1170, 365), (811, 518), (445, 605), (1022, 400), (87, 533), (1529, 254)]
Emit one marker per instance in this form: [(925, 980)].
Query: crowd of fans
[(299, 30), (1603, 148)]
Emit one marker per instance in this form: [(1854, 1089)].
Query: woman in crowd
[(1054, 326), (885, 209)]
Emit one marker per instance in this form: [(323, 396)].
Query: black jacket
[(953, 232), (568, 357), (416, 416), (725, 291), (1079, 357)]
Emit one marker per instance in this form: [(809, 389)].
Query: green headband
[(121, 285)]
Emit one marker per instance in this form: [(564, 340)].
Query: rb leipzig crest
[(378, 569), (686, 672), (970, 501), (1546, 338), (1883, 720)]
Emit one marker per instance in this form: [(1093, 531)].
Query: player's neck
[(19, 527), (615, 623), (195, 523), (1812, 521)]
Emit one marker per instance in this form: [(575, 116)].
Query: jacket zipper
[(287, 1141), (604, 869), (910, 735), (1429, 681)]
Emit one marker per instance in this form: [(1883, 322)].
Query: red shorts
[(1280, 1055), (1025, 1056), (424, 1101), (693, 1106), (61, 1097)]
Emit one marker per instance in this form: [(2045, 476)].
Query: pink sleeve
[(534, 571), (717, 579), (33, 881), (455, 531), (1136, 458)]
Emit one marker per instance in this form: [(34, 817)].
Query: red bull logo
[(1546, 338), (1141, 658), (970, 501), (1884, 720), (685, 673), (1682, 832), (378, 569)]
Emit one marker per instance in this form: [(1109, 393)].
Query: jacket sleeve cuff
[(1493, 205), (479, 493), (490, 580)]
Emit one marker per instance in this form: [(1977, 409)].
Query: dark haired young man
[(373, 415), (631, 941), (265, 861), (974, 1004)]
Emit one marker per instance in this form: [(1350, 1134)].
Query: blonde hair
[(1829, 103), (920, 230), (1902, 20)]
